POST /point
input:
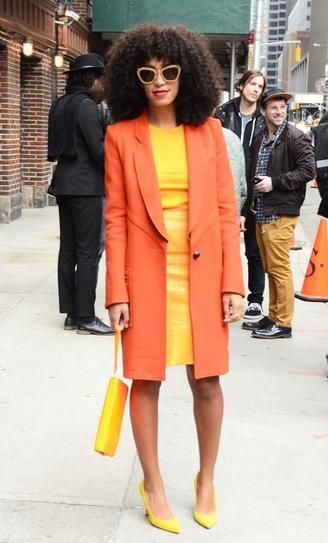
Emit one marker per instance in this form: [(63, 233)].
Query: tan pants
[(274, 240)]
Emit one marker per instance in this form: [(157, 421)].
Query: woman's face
[(161, 92)]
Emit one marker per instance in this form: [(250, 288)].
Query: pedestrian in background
[(321, 157), (242, 115), (174, 278), (282, 164), (76, 139)]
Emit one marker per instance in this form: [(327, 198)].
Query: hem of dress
[(179, 364)]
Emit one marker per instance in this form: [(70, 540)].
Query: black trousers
[(80, 219), (256, 278)]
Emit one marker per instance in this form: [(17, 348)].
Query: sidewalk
[(272, 476)]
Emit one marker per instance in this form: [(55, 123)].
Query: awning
[(225, 17)]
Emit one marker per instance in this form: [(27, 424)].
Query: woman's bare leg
[(208, 413), (144, 418)]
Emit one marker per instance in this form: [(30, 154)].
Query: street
[(272, 476)]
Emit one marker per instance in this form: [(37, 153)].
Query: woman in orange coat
[(174, 278)]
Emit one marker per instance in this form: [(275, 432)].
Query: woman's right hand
[(119, 315)]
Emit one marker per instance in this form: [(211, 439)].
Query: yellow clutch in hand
[(110, 423)]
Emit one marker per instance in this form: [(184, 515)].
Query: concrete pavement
[(272, 477)]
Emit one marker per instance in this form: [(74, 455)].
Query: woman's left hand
[(232, 306)]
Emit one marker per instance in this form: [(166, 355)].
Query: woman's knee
[(204, 389), (145, 387)]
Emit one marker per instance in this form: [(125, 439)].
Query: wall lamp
[(59, 60), (27, 47)]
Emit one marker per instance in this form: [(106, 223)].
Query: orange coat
[(136, 246)]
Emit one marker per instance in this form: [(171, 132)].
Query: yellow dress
[(169, 151)]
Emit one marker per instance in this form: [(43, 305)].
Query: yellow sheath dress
[(169, 151)]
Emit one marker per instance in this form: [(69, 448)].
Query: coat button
[(196, 255)]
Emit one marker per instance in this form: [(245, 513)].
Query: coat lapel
[(196, 155), (147, 176)]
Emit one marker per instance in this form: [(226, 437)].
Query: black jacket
[(321, 157), (291, 166), (75, 140), (229, 115)]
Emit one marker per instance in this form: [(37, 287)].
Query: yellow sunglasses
[(148, 75)]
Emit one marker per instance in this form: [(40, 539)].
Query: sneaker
[(257, 325), (253, 312), (273, 332), (96, 327)]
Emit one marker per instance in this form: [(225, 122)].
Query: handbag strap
[(116, 346)]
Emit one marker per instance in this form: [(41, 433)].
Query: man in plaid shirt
[(282, 164)]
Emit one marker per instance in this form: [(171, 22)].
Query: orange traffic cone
[(315, 285), (314, 184)]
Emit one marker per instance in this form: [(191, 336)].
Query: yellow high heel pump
[(169, 525), (204, 519)]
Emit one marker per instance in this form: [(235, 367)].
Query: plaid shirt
[(262, 169)]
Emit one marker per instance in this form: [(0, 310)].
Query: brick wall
[(81, 7), (25, 99), (61, 78), (27, 88), (36, 100), (10, 100)]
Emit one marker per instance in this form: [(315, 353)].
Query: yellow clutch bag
[(110, 423)]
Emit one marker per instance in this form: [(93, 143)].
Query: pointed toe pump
[(169, 525), (207, 520)]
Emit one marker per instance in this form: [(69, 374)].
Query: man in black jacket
[(283, 162), (321, 156), (242, 115), (75, 140)]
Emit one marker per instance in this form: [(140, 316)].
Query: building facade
[(307, 23), (294, 58), (318, 48), (28, 84), (277, 19)]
